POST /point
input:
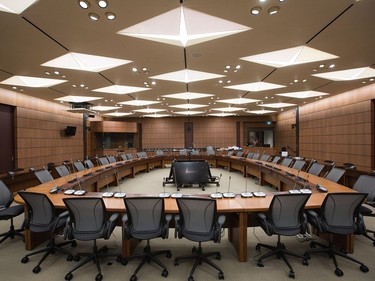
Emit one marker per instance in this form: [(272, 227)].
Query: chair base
[(92, 256), (332, 252), (148, 256), (200, 257), (50, 249), (281, 252), (11, 233)]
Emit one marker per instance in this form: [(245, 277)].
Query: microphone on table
[(246, 194), (259, 193), (217, 195), (306, 189), (294, 190), (119, 194), (80, 191), (54, 189), (108, 193), (167, 194), (229, 194), (320, 186)]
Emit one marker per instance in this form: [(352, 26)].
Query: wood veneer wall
[(38, 131), (338, 128)]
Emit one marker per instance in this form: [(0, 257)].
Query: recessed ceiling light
[(156, 115), (118, 114), (188, 105), (348, 74), (103, 108), (188, 96), (255, 87), (102, 3), (34, 82), (120, 89), (186, 76), (332, 66), (303, 94), (273, 10), (277, 105), (15, 7), (78, 98), (256, 10), (110, 15), (262, 111), (223, 114), (94, 17), (189, 112), (229, 109), (84, 4), (149, 110), (138, 102), (238, 101)]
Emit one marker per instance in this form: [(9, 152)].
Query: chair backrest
[(123, 157), (62, 170), (159, 152), (146, 217), (103, 160), (195, 151), (210, 150), (265, 157), (197, 217), (6, 197), (250, 155), (316, 168), (87, 217), (230, 153), (339, 210), (79, 166), (255, 156), (299, 164), (88, 163), (239, 153), (111, 159), (43, 175), (129, 156), (366, 184), (287, 213), (276, 159), (335, 174), (286, 162), (41, 213)]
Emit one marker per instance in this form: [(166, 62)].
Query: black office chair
[(276, 159), (286, 161), (8, 212), (42, 217), (43, 175), (88, 222), (103, 160), (339, 214), (88, 163), (78, 166), (265, 157), (366, 184), (316, 168), (286, 217), (145, 220), (299, 164), (62, 170), (198, 221), (335, 174), (111, 159)]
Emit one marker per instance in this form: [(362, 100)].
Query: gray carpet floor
[(320, 266)]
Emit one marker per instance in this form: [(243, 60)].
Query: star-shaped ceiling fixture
[(183, 27)]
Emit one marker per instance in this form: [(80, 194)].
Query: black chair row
[(87, 219)]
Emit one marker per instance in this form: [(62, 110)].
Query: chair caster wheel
[(218, 257), (307, 256), (77, 258), (312, 244), (25, 259), (260, 264), (164, 273), (363, 268), (74, 244), (257, 247), (191, 278), (339, 272), (169, 255), (133, 278), (176, 263), (305, 262), (69, 276), (36, 269), (69, 258), (221, 276), (99, 277), (194, 250), (291, 274)]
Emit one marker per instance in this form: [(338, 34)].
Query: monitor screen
[(70, 131), (284, 153), (191, 172)]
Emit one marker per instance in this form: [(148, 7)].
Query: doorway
[(7, 142)]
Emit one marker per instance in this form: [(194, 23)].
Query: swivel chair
[(339, 214), (366, 184), (299, 164), (78, 166), (43, 175), (335, 174), (286, 217), (62, 170), (111, 159), (8, 212), (89, 221), (42, 217), (315, 168), (286, 161), (145, 220), (198, 221), (103, 160), (276, 159), (88, 163)]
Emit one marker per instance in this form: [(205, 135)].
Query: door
[(7, 141)]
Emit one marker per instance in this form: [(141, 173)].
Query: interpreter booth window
[(260, 137), (114, 140)]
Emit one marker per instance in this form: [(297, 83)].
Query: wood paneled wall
[(38, 131), (337, 128), (285, 133)]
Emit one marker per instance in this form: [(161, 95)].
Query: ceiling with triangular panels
[(159, 58)]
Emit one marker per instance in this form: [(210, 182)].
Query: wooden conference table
[(240, 211)]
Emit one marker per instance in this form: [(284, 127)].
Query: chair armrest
[(125, 229), (113, 217), (176, 227), (262, 218), (313, 218), (111, 224), (221, 220), (64, 215)]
